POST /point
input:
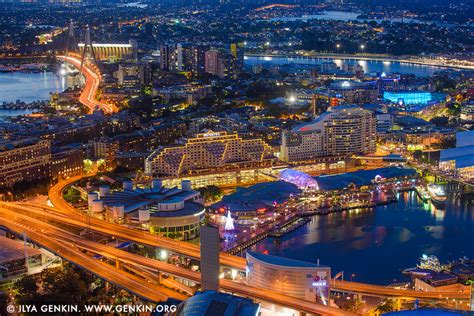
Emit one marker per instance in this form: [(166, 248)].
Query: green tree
[(147, 89), (388, 305), (355, 305), (26, 287), (211, 193)]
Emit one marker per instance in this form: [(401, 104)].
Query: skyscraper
[(168, 57), (341, 132), (220, 64), (237, 50), (209, 258)]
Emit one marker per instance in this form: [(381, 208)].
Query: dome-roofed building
[(428, 312), (256, 200), (174, 212), (216, 303), (298, 178)]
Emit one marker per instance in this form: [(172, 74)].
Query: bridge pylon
[(70, 42), (87, 47)]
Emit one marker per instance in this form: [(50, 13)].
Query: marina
[(405, 229)]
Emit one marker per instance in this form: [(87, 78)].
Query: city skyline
[(237, 158)]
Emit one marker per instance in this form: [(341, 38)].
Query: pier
[(289, 225)]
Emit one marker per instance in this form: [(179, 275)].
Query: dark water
[(376, 244), (367, 65)]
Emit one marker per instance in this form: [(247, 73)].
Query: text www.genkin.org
[(98, 308)]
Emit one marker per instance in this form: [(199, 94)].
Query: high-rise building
[(127, 70), (141, 72), (199, 59), (467, 112), (24, 160), (341, 132), (104, 149), (168, 57), (237, 51), (184, 56), (220, 64), (209, 152), (212, 61), (209, 258)]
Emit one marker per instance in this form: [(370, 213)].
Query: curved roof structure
[(427, 312), (216, 303), (298, 178), (282, 261), (361, 177), (138, 198), (259, 196)]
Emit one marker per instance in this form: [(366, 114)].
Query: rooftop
[(360, 177), (465, 138), (9, 145), (331, 111), (261, 195), (427, 312), (463, 156), (212, 303), (190, 208), (135, 199), (14, 250), (281, 261)]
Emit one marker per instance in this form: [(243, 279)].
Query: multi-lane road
[(39, 232), (66, 244), (56, 197), (52, 220), (89, 92), (138, 236)]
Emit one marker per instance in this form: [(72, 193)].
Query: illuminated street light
[(292, 99), (362, 47)]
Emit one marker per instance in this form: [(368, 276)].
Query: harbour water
[(338, 16), (367, 65), (29, 87), (364, 243)]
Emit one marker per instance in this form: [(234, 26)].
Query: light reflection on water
[(376, 244), (29, 87), (367, 64)]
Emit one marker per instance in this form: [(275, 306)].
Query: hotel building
[(207, 153), (341, 132), (24, 160)]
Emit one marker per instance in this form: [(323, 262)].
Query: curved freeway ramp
[(89, 92)]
